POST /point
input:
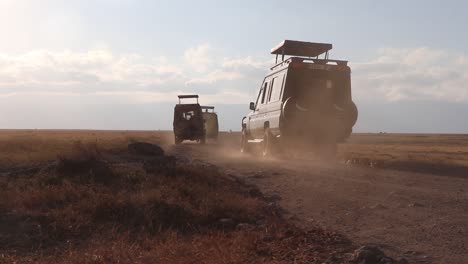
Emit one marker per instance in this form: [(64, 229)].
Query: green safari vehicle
[(211, 122)]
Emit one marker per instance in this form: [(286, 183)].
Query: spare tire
[(351, 113), (290, 108)]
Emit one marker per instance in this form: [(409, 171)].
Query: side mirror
[(252, 106)]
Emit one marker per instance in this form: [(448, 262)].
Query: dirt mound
[(146, 149)]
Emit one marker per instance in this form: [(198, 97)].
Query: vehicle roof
[(301, 48), (187, 107)]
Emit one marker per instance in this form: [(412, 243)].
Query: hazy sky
[(119, 64)]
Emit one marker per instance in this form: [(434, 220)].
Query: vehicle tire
[(244, 148), (288, 109), (352, 114), (267, 144)]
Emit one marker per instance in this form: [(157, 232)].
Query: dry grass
[(27, 146), (83, 208), (444, 154)]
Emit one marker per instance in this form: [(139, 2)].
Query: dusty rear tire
[(268, 144)]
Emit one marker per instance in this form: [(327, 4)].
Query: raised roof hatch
[(184, 96), (187, 96), (207, 107), (301, 48)]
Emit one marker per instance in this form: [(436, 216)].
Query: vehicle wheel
[(268, 144), (177, 140), (245, 148)]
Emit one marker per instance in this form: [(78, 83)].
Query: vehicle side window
[(258, 97), (265, 91), (271, 88), (276, 88)]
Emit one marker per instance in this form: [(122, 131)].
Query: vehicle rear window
[(320, 87)]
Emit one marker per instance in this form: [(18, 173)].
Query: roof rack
[(186, 96), (290, 60), (301, 48)]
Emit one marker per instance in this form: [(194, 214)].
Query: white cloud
[(151, 97), (215, 76), (246, 62), (50, 70), (199, 57), (395, 74), (129, 76), (412, 74)]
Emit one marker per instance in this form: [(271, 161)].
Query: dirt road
[(421, 217)]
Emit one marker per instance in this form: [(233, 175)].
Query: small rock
[(378, 206), (257, 176), (373, 255), (367, 255), (244, 226), (415, 205)]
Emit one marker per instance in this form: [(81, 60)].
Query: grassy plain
[(113, 210), (83, 197)]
